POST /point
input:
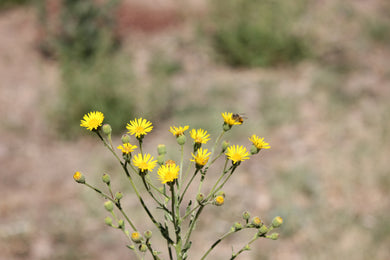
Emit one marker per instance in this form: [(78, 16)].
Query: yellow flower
[(92, 120), (201, 157), (259, 142), (139, 127), (229, 119), (144, 163), (237, 153), (200, 136), (177, 131), (127, 148), (168, 172)]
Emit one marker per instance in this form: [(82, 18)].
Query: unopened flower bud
[(200, 198), (143, 248), (121, 224), (254, 150), (161, 149), (221, 193), (108, 221), (106, 129), (109, 206), (136, 237), (277, 222), (181, 139), (106, 178), (246, 215), (237, 226), (273, 236), (125, 138), (263, 230), (161, 159), (256, 221), (118, 195), (226, 127), (79, 177), (148, 234), (219, 200), (225, 145)]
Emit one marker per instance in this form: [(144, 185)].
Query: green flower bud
[(237, 226), (125, 138), (148, 234), (131, 247), (118, 195), (79, 177), (121, 224), (107, 129), (161, 149), (254, 150), (256, 221), (226, 127), (136, 237), (161, 159), (109, 206), (108, 221), (273, 236), (225, 145), (219, 200), (277, 222), (200, 198), (143, 248), (263, 230), (246, 215), (106, 178), (221, 193), (181, 139)]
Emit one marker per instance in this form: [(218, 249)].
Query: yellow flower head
[(139, 127), (79, 177), (177, 131), (237, 153), (136, 237), (259, 142), (144, 163), (219, 200), (92, 120), (127, 148), (200, 136), (230, 119), (201, 157), (168, 172)]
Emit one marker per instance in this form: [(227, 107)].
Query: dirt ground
[(338, 208)]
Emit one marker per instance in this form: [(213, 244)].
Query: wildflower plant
[(179, 215)]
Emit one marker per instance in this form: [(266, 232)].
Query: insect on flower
[(238, 118)]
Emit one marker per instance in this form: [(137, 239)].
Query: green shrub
[(9, 3), (257, 33), (95, 72)]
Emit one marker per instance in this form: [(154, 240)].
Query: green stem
[(192, 225), (223, 183), (117, 204), (216, 243), (255, 237), (188, 184), (180, 181), (175, 220)]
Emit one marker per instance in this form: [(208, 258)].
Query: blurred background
[(311, 76)]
